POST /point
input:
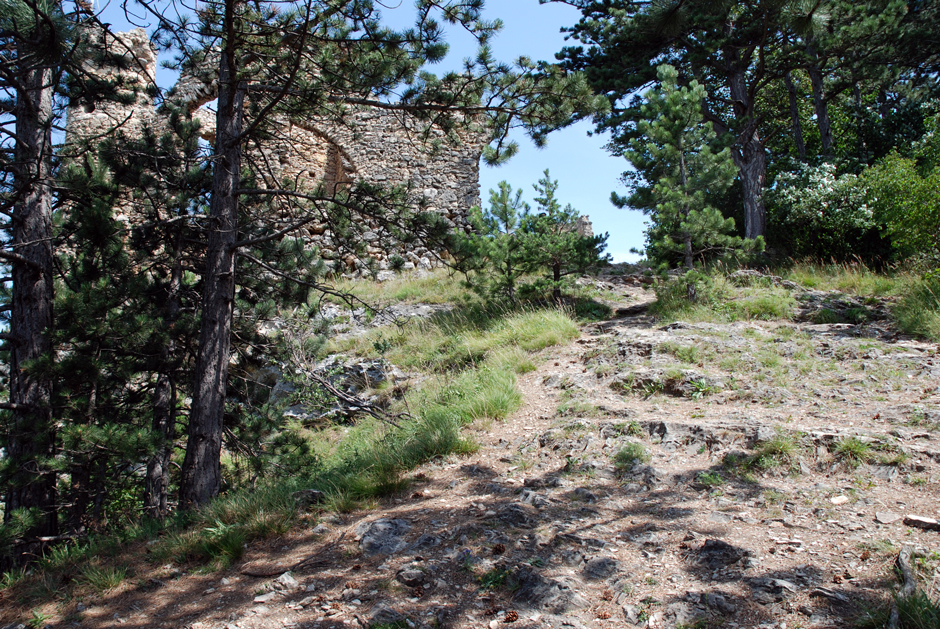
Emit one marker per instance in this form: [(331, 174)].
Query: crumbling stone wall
[(376, 146)]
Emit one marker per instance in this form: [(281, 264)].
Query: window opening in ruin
[(337, 174)]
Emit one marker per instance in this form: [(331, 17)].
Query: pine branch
[(18, 259)]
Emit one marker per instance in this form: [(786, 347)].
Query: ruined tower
[(376, 146)]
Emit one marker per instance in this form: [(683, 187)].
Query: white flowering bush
[(814, 212)]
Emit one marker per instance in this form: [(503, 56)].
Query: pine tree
[(35, 39), (733, 49), (496, 250), (553, 238), (165, 178), (677, 168)]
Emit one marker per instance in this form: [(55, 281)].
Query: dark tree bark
[(156, 488), (82, 484), (78, 494), (795, 125), (752, 166), (32, 439), (748, 153), (201, 475), (819, 101), (156, 498)]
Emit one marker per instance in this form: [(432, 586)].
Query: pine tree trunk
[(556, 278), (156, 497), (819, 100), (684, 182), (749, 155), (31, 443), (79, 493), (752, 166), (156, 489), (201, 475), (796, 126), (81, 482)]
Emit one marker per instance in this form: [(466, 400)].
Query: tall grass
[(463, 338), (436, 287), (719, 300), (854, 278), (918, 311)]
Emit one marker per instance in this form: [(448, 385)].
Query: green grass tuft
[(630, 455), (710, 479), (102, 579), (853, 451), (917, 611)]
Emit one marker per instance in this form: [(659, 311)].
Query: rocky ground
[(787, 464)]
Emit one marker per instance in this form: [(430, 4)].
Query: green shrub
[(630, 455), (510, 243), (907, 199), (815, 212)]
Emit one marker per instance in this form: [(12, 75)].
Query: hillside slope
[(755, 473)]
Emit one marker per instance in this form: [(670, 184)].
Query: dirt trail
[(540, 528)]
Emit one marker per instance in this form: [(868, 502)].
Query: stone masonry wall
[(376, 146)]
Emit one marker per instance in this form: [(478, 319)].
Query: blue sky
[(585, 171)]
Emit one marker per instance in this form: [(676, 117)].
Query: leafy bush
[(815, 212), (905, 194)]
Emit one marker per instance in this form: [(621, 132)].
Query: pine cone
[(607, 595), (511, 616), (499, 549), (492, 611)]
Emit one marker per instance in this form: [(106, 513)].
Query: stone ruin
[(381, 147)]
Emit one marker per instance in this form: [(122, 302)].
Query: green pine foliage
[(554, 242), (678, 166), (104, 328), (496, 251), (510, 243)]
